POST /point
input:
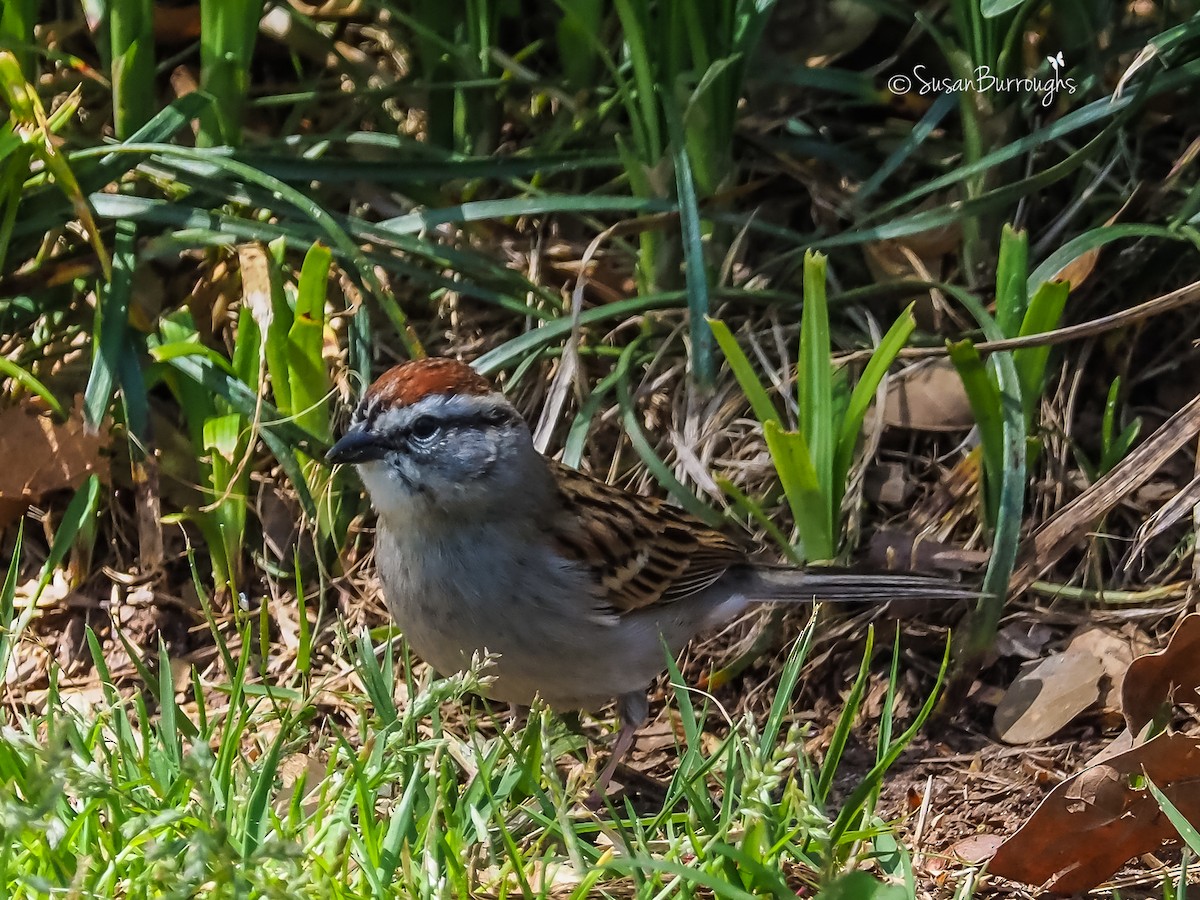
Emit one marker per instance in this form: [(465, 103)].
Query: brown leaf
[(976, 848), (1092, 823), (42, 455), (1158, 678), (928, 396), (1047, 695)]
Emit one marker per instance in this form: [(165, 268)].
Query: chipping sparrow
[(483, 543)]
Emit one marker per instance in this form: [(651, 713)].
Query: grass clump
[(227, 784)]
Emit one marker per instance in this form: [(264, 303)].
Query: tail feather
[(773, 584)]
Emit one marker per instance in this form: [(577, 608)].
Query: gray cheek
[(469, 454)]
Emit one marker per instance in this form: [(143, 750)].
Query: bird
[(572, 585)]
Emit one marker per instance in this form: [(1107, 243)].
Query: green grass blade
[(1012, 294), (853, 804), (308, 376), (227, 34), (112, 316), (841, 732), (257, 819), (131, 36), (895, 340), (168, 732), (17, 18), (815, 387), (1044, 314), (743, 371), (8, 594), (703, 362), (1187, 830), (789, 677), (33, 385), (986, 407), (790, 455)]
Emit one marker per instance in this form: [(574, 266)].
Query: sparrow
[(573, 584)]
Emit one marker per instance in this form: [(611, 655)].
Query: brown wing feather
[(642, 550)]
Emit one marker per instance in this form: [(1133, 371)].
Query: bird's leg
[(633, 710)]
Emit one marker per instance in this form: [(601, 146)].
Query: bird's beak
[(358, 445)]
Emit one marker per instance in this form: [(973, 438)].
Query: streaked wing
[(642, 550)]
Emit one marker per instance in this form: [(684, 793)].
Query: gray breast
[(460, 594)]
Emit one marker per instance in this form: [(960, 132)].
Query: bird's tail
[(781, 583)]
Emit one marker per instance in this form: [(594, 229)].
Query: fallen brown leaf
[(928, 396), (976, 848), (1103, 816), (42, 455), (1155, 679), (1092, 823), (1047, 695)]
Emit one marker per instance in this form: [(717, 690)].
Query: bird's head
[(432, 435)]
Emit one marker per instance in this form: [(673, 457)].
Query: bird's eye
[(423, 427)]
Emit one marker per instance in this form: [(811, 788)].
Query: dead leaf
[(1047, 695), (975, 849), (299, 771), (1092, 823), (1156, 679), (42, 455), (1095, 821), (928, 396), (1116, 653)]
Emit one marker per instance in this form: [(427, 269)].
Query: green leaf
[(984, 398), (863, 395), (223, 434), (33, 385), (131, 36), (808, 503), (1012, 269), (845, 722), (9, 633), (852, 806), (247, 347), (703, 365), (168, 732), (860, 886), (743, 371), (280, 324), (1044, 313), (994, 8), (309, 381), (257, 819), (112, 316), (815, 390), (83, 507)]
